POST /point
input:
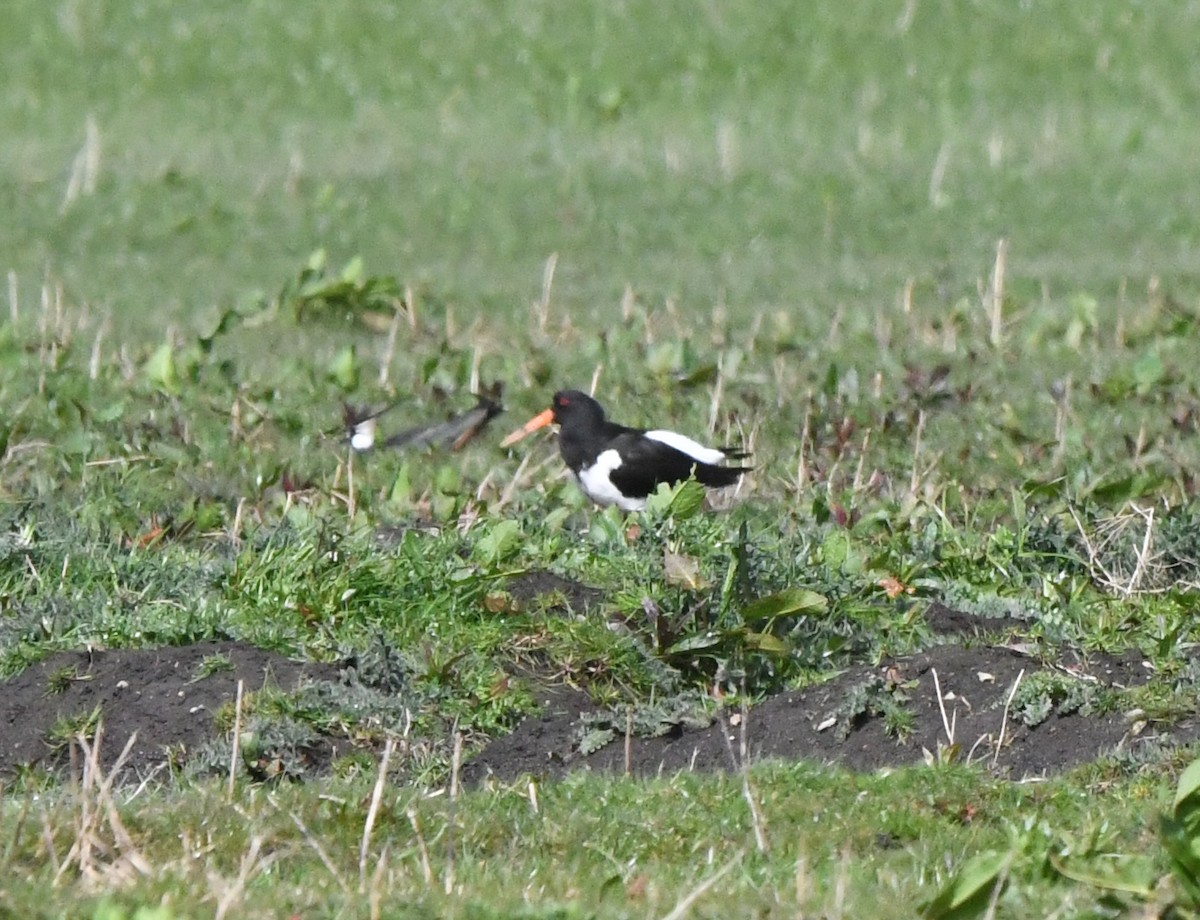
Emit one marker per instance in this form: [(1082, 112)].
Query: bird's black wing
[(646, 462)]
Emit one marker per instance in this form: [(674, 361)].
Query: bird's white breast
[(596, 484)]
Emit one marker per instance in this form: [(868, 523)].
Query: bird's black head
[(577, 406)]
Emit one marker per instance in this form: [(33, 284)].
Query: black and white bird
[(618, 465)]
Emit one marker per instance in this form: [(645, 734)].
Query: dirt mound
[(1001, 705), (166, 695), (846, 721)]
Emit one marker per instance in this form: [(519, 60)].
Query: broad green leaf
[(840, 553), (111, 412), (344, 368), (687, 500), (1148, 372), (699, 643), (607, 527), (107, 910), (160, 369), (1188, 790), (658, 501), (967, 894), (172, 452), (765, 642), (680, 502), (1136, 878), (500, 542), (353, 272), (78, 443), (443, 507), (1125, 488), (664, 358), (447, 481), (316, 261), (227, 321), (402, 486), (1084, 310), (156, 912), (788, 601), (1179, 839)]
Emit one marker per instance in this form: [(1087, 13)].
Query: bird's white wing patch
[(596, 484), (693, 449)]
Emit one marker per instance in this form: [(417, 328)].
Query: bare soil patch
[(164, 695), (976, 670), (168, 697)]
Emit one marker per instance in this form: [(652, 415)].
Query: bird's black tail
[(718, 476)]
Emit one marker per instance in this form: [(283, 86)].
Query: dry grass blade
[(452, 818), (507, 494), (1004, 720), (998, 889), (841, 885), (948, 724), (235, 744), (103, 859), (389, 347), (805, 446), (918, 435), (422, 847), (232, 892), (1115, 544), (377, 891), (86, 166), (18, 829), (718, 393), (629, 741), (14, 299), (373, 810), (741, 763), (685, 904), (993, 301), (523, 476), (410, 305), (313, 842), (542, 307), (748, 791), (48, 839), (937, 176)]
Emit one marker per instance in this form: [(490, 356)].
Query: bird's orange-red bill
[(541, 420)]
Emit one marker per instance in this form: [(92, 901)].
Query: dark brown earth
[(159, 695), (800, 725), (156, 693)]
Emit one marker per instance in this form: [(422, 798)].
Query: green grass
[(838, 845), (739, 198), (458, 148)]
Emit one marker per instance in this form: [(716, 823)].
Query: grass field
[(934, 262)]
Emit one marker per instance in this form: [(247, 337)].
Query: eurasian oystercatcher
[(361, 425), (617, 465)]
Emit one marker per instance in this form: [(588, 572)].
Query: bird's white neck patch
[(596, 484), (363, 435), (683, 443)]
